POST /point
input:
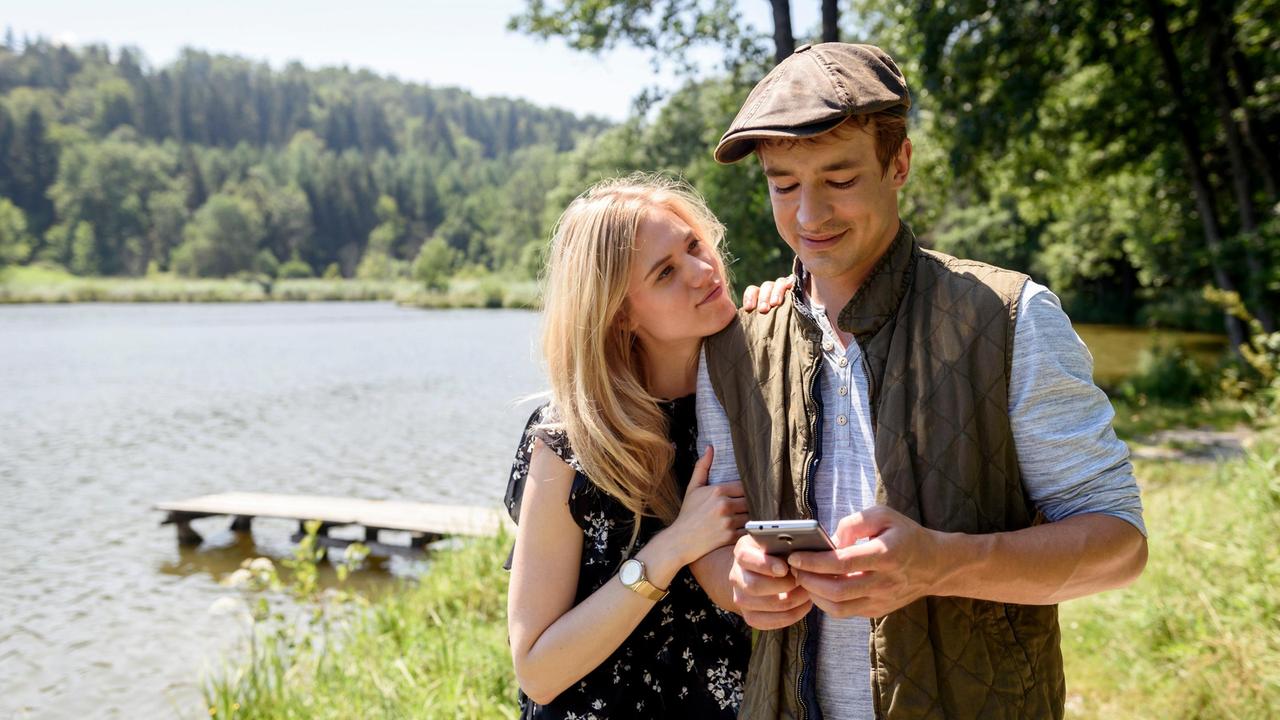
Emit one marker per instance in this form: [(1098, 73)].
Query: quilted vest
[(936, 335)]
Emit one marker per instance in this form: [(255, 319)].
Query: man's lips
[(821, 239), (715, 293)]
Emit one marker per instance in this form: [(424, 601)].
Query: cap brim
[(735, 146)]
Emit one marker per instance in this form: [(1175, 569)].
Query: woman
[(605, 617)]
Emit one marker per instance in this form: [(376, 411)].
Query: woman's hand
[(711, 516), (768, 296)]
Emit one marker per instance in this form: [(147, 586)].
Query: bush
[(295, 269), (1166, 373)]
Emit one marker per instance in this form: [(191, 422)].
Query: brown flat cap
[(811, 92)]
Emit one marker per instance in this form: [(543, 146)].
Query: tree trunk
[(830, 21), (1218, 38), (1196, 172), (784, 43), (1257, 133)]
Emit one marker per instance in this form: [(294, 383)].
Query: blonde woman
[(606, 619)]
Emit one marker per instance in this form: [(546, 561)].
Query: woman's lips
[(712, 295)]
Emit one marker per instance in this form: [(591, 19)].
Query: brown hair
[(887, 127)]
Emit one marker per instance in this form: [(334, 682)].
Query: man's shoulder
[(958, 277)]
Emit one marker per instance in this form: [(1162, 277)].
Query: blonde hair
[(618, 432)]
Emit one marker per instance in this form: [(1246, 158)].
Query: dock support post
[(186, 534), (242, 524), (370, 535)]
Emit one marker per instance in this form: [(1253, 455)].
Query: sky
[(462, 43)]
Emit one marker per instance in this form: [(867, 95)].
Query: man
[(937, 416)]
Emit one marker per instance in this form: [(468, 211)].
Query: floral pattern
[(688, 657)]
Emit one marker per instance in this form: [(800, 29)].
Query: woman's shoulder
[(545, 425)]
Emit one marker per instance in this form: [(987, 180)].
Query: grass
[(434, 649), (46, 284), (1198, 636), (1136, 420)]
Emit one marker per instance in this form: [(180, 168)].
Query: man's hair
[(887, 127)]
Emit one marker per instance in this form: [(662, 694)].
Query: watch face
[(630, 572)]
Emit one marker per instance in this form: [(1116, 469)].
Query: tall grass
[(41, 284), (434, 649), (1198, 636)]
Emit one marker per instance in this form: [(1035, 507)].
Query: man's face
[(833, 204)]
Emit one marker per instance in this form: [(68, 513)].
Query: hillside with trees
[(216, 165)]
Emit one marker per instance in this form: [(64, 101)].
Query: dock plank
[(385, 514)]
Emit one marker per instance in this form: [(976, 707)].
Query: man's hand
[(768, 296), (764, 588), (898, 563)]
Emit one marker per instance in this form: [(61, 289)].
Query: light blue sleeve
[(713, 428), (1071, 460)]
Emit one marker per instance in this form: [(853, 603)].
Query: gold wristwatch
[(632, 575)]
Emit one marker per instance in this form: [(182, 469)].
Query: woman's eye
[(693, 246), (666, 272)]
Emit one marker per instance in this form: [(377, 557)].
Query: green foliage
[(15, 241), (1196, 636), (221, 239), (266, 263), (1166, 373), (434, 263), (437, 647), (294, 268)]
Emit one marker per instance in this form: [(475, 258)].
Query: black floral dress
[(688, 657)]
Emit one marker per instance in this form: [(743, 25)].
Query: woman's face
[(677, 291)]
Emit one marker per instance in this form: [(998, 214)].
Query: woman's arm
[(554, 643)]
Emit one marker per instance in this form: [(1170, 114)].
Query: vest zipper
[(806, 490)]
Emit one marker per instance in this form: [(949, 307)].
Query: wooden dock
[(424, 522)]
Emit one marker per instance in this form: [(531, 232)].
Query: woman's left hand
[(768, 295)]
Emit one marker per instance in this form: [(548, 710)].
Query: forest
[(1125, 153)]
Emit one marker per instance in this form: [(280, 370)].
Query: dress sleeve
[(541, 427), (1070, 458)]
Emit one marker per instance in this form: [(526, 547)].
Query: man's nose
[(814, 210)]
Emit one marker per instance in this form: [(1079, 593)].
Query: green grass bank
[(1196, 637), (36, 284)]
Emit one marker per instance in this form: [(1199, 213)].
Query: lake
[(106, 409)]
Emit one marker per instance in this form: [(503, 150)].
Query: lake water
[(106, 409)]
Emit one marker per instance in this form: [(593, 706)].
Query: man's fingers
[(838, 588), (866, 524), (776, 620), (842, 561), (772, 602), (749, 297), (749, 556)]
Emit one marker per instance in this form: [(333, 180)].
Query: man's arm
[(1074, 469)]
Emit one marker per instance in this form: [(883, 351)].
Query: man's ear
[(900, 168)]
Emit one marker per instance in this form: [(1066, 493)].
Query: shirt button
[(844, 390), (844, 362), (828, 346), (842, 420)]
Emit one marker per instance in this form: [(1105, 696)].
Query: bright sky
[(462, 43)]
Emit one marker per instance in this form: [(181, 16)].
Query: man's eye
[(846, 184), (781, 190)]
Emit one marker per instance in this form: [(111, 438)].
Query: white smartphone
[(782, 537)]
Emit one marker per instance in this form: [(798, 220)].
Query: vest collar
[(882, 292)]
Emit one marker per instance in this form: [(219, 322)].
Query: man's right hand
[(764, 589)]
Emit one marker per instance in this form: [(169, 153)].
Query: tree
[(222, 238), (15, 241), (434, 263)]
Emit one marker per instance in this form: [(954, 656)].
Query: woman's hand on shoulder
[(769, 295), (711, 516)]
